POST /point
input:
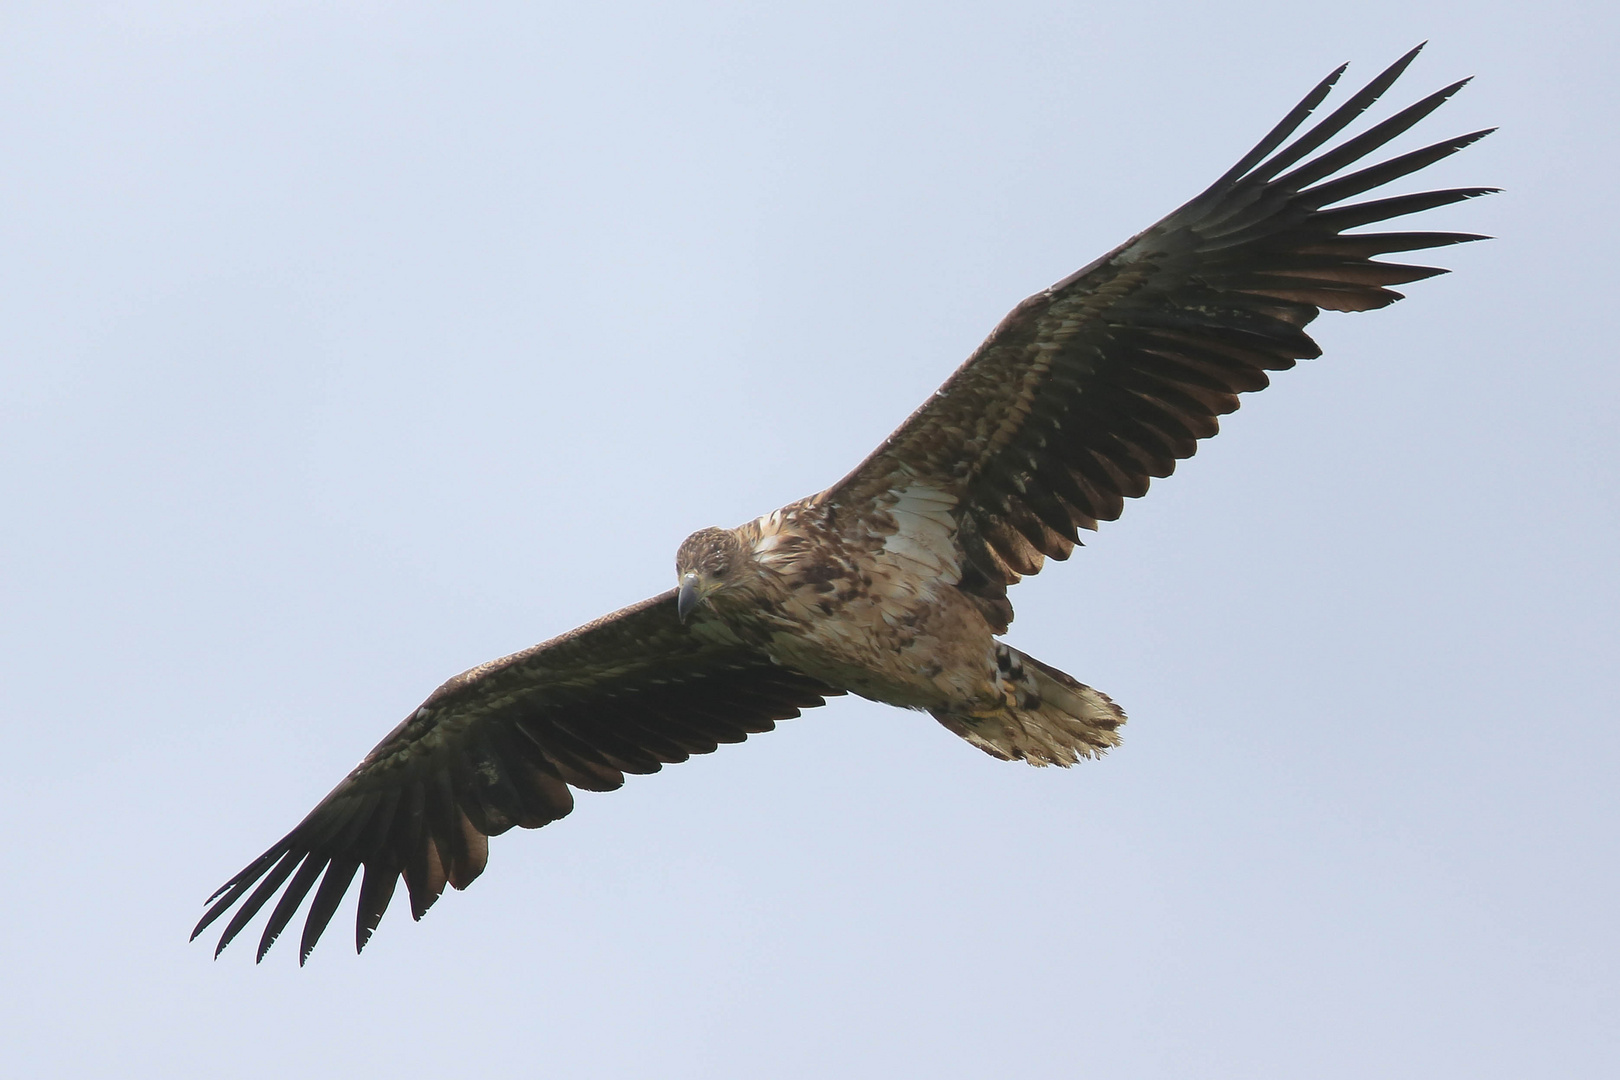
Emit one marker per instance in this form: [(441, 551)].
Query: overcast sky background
[(347, 345)]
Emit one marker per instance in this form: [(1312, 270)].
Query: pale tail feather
[(1049, 719)]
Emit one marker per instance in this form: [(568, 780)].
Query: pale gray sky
[(349, 344)]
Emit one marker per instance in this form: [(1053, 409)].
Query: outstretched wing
[(1109, 377), (498, 746)]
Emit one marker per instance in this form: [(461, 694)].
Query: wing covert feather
[(499, 746)]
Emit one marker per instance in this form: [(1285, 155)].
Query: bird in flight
[(892, 583)]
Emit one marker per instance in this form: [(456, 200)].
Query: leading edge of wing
[(501, 745)]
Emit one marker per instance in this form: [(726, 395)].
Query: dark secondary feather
[(499, 746), (1108, 378)]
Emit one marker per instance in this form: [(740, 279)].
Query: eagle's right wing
[(498, 746)]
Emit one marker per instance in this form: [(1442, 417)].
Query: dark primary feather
[(499, 746), (1108, 378)]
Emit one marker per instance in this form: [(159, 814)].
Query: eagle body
[(870, 601), (893, 583)]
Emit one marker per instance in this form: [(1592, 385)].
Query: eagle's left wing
[(1109, 377), (498, 746)]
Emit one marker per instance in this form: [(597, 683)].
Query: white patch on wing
[(924, 530), (771, 535)]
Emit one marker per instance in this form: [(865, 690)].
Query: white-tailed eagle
[(892, 583)]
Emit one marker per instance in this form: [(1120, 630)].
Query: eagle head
[(709, 560)]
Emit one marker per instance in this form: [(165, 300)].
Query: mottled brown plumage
[(891, 584)]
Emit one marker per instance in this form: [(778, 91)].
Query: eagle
[(892, 583)]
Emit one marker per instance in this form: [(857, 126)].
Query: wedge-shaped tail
[(1049, 718)]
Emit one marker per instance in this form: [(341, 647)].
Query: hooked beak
[(690, 596)]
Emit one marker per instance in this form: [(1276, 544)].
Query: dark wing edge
[(1088, 389), (499, 746)]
